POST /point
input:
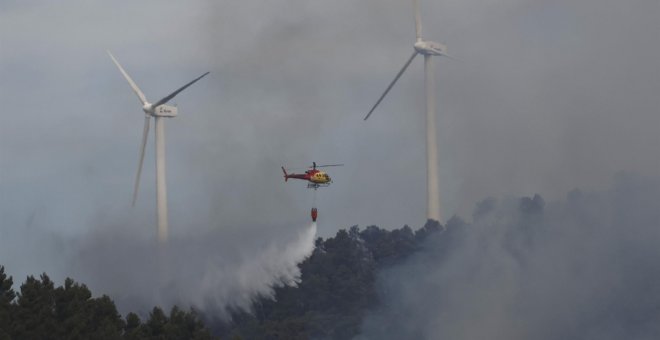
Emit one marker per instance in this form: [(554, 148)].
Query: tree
[(34, 313), (43, 311), (133, 329), (7, 296), (337, 287), (156, 323), (80, 316), (179, 325)]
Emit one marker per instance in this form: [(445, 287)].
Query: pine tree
[(7, 296), (34, 317), (134, 329), (156, 324)]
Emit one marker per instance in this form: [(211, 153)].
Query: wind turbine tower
[(428, 49), (159, 111)]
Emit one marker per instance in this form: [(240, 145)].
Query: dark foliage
[(336, 290), (7, 295), (42, 311)]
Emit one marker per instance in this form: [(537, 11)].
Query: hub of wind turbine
[(163, 110), (148, 109), (430, 48)]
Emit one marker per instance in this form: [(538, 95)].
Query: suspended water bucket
[(314, 214)]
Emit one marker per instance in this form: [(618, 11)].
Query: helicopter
[(315, 178)]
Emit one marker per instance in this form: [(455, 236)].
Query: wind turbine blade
[(134, 86), (145, 134), (392, 83), (418, 21), (173, 94)]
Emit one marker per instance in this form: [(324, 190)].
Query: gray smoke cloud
[(549, 95), (584, 267)]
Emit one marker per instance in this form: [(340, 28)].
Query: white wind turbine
[(428, 49), (159, 111)]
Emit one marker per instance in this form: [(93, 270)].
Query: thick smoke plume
[(201, 271), (583, 268)]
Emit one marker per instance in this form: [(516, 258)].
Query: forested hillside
[(336, 289), (40, 310)]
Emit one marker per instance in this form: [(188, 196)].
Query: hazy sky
[(547, 95)]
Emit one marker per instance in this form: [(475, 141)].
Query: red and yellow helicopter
[(315, 179)]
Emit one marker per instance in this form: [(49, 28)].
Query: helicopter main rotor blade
[(392, 83), (297, 169), (327, 165)]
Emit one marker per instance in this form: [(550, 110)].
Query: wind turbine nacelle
[(430, 48), (165, 111)]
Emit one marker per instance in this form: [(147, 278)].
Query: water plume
[(204, 271)]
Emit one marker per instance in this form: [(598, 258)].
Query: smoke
[(549, 95), (582, 268), (202, 271)]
